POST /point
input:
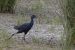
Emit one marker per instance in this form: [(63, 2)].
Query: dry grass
[(13, 44), (19, 45)]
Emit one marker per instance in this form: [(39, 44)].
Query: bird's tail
[(16, 27)]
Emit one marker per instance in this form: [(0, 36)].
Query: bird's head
[(33, 16)]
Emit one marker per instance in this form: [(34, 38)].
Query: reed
[(6, 5), (68, 7)]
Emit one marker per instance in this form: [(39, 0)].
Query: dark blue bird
[(24, 27)]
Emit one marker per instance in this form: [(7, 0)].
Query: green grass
[(13, 44), (36, 7), (20, 19), (68, 7), (3, 42), (39, 20), (6, 5), (38, 41)]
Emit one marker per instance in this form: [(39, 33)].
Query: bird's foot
[(23, 38)]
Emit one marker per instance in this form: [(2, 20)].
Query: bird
[(24, 28)]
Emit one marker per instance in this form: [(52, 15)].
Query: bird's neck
[(32, 21)]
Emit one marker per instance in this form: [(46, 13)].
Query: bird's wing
[(21, 26)]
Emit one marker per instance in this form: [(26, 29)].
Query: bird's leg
[(24, 37), (12, 35)]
